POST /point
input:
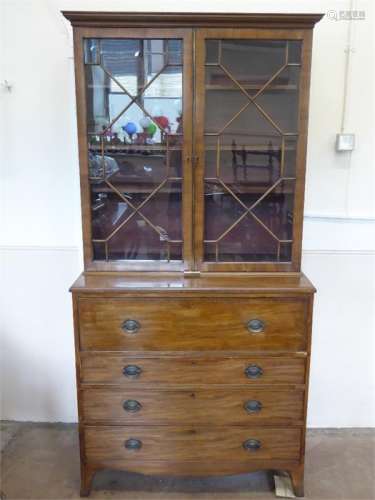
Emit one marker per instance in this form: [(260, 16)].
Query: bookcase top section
[(188, 19)]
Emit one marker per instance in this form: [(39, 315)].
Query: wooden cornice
[(185, 20)]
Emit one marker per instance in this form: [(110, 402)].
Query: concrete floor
[(40, 461)]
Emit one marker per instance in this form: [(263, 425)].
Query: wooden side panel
[(191, 444), (221, 407), (104, 368), (193, 324)]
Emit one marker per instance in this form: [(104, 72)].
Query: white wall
[(41, 239)]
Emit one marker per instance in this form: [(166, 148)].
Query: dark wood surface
[(200, 469), (133, 32), (176, 284), (191, 444), (190, 19), (193, 345), (228, 26), (180, 387), (193, 324), (156, 371), (203, 406), (235, 33)]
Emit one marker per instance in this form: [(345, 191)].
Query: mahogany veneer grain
[(193, 345)]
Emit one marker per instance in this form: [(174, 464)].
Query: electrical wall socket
[(345, 142)]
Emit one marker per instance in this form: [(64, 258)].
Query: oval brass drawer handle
[(133, 444), (253, 406), (132, 371), (131, 405), (131, 326), (253, 371), (256, 325), (252, 445)]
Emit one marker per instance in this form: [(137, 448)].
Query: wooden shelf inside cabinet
[(251, 87), (192, 318), (133, 149), (243, 188), (261, 148), (129, 188)]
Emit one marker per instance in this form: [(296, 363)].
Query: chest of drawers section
[(192, 385)]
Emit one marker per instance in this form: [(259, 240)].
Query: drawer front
[(192, 324), (234, 406), (135, 371), (191, 444)]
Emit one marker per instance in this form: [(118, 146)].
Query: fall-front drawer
[(224, 407), (265, 324), (133, 371), (190, 443)]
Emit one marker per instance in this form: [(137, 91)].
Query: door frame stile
[(199, 106)]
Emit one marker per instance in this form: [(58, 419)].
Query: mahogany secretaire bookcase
[(192, 317)]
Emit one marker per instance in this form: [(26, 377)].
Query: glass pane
[(252, 63), (290, 156), (285, 252), (275, 210), (137, 240), (221, 210), (108, 210), (163, 98), (174, 48), (92, 54), (244, 172), (247, 241), (280, 100), (104, 100), (294, 52), (221, 106), (122, 60), (121, 232), (251, 137), (163, 211), (135, 137), (212, 51)]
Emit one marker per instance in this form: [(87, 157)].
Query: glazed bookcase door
[(250, 136), (135, 142)]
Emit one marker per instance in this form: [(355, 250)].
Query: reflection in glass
[(294, 51), (222, 106), (275, 210), (163, 210), (290, 155), (245, 169), (121, 232), (247, 241), (252, 62), (280, 101), (91, 50), (137, 241), (212, 51), (135, 137), (251, 136), (221, 210)]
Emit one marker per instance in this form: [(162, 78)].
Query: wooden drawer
[(192, 324), (223, 407), (191, 444), (135, 371)]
